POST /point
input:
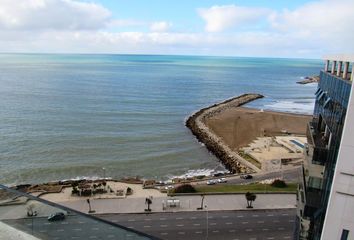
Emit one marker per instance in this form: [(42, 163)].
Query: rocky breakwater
[(196, 123)]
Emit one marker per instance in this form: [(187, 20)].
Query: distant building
[(326, 193)]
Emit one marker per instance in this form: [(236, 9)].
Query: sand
[(240, 126), (226, 126)]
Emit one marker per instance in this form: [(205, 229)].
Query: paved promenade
[(186, 203)]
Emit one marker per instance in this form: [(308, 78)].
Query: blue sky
[(277, 28)]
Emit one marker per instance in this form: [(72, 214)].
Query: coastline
[(226, 127), (196, 123)]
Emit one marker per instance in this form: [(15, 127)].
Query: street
[(226, 225)]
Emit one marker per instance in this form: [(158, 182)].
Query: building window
[(345, 234)]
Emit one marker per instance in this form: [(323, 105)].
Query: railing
[(320, 151)]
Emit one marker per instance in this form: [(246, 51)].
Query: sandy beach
[(226, 126), (239, 126)]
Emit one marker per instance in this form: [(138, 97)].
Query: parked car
[(211, 182), (56, 216), (222, 180), (248, 176)]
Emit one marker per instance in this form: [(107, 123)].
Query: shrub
[(129, 191), (278, 183), (185, 188)]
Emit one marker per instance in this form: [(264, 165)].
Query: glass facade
[(331, 104)]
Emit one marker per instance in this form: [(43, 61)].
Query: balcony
[(318, 143)]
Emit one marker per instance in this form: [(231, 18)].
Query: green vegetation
[(185, 188), (250, 159), (278, 183), (255, 188)]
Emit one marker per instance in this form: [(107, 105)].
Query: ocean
[(74, 116)]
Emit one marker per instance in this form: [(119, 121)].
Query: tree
[(148, 201), (250, 197)]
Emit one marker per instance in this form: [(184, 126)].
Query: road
[(225, 225), (73, 227), (289, 175)]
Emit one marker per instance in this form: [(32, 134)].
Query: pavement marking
[(77, 229), (249, 230), (95, 229), (270, 215), (147, 226), (75, 237), (164, 233), (163, 225), (199, 232), (180, 225), (179, 218), (46, 223), (196, 224), (240, 216), (83, 222), (162, 219), (285, 214), (131, 227), (265, 229), (212, 224), (147, 219), (114, 220), (224, 216), (270, 238), (286, 237), (210, 217), (228, 223), (244, 222), (255, 215), (181, 233), (215, 231), (130, 220), (281, 228), (64, 223), (260, 222)]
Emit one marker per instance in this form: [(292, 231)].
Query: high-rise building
[(326, 193)]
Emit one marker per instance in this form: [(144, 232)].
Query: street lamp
[(207, 222)]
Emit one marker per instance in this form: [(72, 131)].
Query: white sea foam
[(200, 172), (291, 106)]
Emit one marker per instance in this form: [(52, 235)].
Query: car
[(58, 216), (222, 180), (248, 176), (211, 182)]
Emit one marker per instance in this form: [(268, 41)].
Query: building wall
[(340, 211)]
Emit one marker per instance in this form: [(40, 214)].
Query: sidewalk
[(187, 203)]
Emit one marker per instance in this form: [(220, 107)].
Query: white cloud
[(324, 24), (52, 14), (160, 26), (220, 18)]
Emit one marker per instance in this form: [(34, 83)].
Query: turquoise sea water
[(68, 116)]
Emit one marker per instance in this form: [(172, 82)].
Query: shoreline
[(196, 123)]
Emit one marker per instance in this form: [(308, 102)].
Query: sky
[(257, 28)]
